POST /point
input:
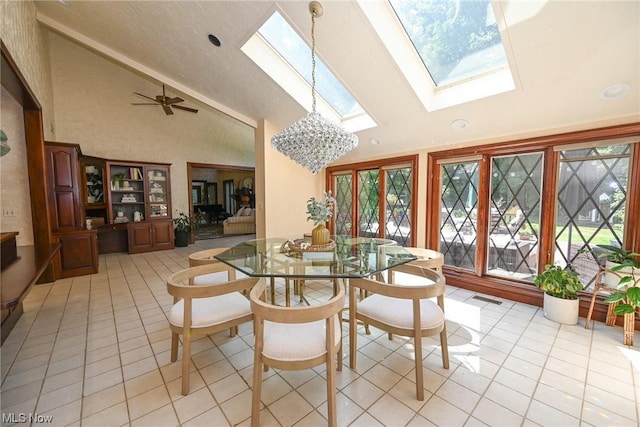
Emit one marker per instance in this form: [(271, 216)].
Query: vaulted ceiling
[(563, 54)]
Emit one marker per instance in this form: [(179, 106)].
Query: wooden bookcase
[(139, 195)]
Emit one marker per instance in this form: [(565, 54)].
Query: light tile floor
[(94, 351)]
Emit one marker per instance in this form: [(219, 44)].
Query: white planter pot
[(561, 310), (612, 279)]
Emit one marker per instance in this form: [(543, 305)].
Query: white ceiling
[(562, 54)]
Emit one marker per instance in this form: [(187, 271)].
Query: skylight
[(455, 39), (450, 51), (280, 51)]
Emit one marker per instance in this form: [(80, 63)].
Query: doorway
[(212, 193)]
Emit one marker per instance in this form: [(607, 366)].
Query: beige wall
[(93, 96), (27, 44), (288, 187), (15, 203)]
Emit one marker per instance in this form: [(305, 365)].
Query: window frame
[(381, 165), (511, 288)]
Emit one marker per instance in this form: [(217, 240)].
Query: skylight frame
[(267, 56)]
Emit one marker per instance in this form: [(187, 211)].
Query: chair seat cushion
[(211, 311), (297, 341), (398, 312), (211, 278)]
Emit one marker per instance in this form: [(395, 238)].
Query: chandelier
[(314, 141)]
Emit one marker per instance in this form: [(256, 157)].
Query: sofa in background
[(243, 222)]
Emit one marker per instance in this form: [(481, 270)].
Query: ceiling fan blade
[(180, 107), (167, 110), (175, 100), (144, 103), (145, 96)]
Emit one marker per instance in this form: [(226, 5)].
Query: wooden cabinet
[(150, 236), (139, 197), (113, 238), (138, 192), (78, 253), (63, 192), (94, 194)]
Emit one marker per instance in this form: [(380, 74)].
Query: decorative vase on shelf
[(320, 235)]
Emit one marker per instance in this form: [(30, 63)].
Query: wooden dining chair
[(296, 338), (404, 310), (206, 256), (427, 258), (204, 308)]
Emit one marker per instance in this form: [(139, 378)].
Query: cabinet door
[(78, 253), (64, 204), (140, 237), (158, 192), (163, 235)]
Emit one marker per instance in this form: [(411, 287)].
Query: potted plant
[(116, 181), (619, 261), (524, 234), (561, 287), (627, 296), (320, 211), (184, 224)]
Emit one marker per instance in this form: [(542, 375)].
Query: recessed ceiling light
[(375, 141), (214, 40), (459, 124), (615, 91)]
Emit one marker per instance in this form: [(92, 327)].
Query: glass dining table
[(296, 259)]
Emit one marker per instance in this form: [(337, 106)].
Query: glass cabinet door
[(95, 185), (158, 195)]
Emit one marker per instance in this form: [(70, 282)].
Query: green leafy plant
[(320, 210), (628, 293), (559, 282), (618, 255), (117, 177), (186, 223)]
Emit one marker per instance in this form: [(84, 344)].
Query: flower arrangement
[(320, 210)]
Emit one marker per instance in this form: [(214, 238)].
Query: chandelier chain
[(313, 62)]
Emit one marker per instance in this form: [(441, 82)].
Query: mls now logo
[(21, 417)]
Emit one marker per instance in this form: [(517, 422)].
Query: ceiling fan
[(166, 102)]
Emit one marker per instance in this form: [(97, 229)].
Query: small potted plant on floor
[(184, 224), (561, 287)]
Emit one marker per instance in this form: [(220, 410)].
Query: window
[(450, 51), (592, 198), (455, 39), (280, 51), (458, 213), (514, 219), (383, 199), (500, 212)]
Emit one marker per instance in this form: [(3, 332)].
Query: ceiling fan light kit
[(165, 102), (314, 141)]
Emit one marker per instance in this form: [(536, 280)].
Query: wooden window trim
[(513, 290)]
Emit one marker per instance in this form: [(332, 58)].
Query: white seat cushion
[(297, 341), (398, 312), (211, 311), (211, 278)]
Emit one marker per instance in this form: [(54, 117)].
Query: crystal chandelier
[(314, 141)]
